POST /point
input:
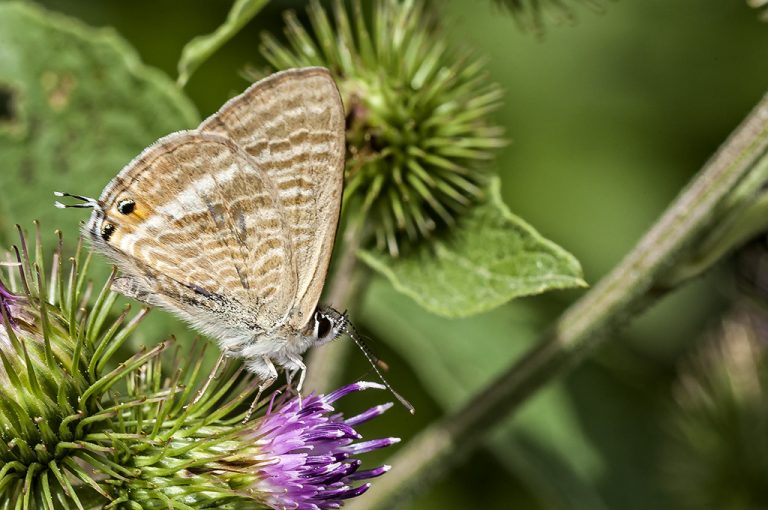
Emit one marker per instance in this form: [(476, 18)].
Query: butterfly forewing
[(205, 223), (292, 125)]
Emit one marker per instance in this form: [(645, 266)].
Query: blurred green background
[(608, 117)]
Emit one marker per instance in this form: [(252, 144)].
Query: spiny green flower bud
[(717, 452), (298, 453), (83, 430), (419, 134), (53, 352)]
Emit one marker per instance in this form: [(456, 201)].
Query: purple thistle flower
[(9, 302), (6, 299), (306, 452)]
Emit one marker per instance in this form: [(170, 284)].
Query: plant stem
[(637, 281), (326, 362)]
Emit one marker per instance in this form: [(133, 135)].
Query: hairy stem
[(326, 362), (637, 281)]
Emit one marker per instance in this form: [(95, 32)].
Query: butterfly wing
[(198, 228), (292, 125)]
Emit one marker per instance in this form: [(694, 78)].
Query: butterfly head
[(85, 202), (96, 227), (100, 226), (329, 324)]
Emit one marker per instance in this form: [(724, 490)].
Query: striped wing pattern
[(215, 239), (292, 125), (238, 217)]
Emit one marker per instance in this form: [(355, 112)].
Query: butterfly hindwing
[(292, 125)]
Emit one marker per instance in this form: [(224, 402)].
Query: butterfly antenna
[(376, 363), (88, 203)]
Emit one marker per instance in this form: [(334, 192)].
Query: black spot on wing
[(107, 229), (201, 291), (126, 206)]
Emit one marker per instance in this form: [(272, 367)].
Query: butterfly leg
[(211, 377), (270, 379), (302, 369)]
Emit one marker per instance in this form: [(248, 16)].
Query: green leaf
[(491, 257), (199, 49), (76, 104), (544, 445)]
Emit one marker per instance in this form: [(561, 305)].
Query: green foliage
[(420, 133), (77, 105), (716, 453), (83, 426), (490, 257), (456, 358), (606, 129), (533, 15), (200, 49), (420, 137)]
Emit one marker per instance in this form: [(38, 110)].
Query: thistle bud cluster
[(85, 426)]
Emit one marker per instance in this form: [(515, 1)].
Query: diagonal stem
[(637, 281), (326, 362)]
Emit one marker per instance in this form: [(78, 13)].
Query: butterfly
[(231, 225)]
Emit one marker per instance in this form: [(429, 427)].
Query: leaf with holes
[(76, 104)]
